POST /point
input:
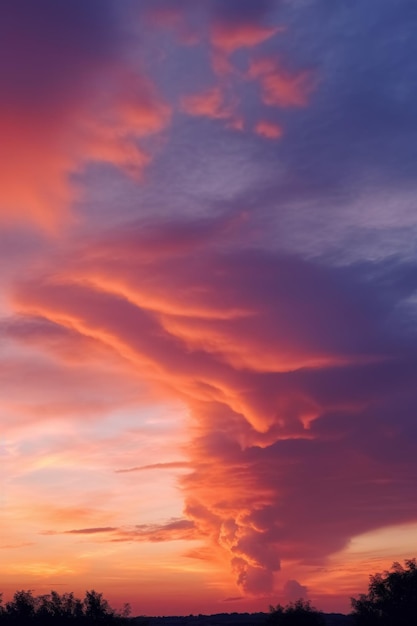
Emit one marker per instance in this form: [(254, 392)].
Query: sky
[(208, 303)]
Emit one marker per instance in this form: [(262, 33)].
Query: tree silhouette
[(63, 609), (391, 599), (97, 609), (22, 608), (53, 608), (299, 613)]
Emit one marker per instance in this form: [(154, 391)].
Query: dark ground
[(230, 619)]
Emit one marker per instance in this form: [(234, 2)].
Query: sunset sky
[(208, 304)]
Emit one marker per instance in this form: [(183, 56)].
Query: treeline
[(391, 601), (64, 609)]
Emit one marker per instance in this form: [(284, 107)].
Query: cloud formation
[(68, 97), (90, 531), (278, 86), (288, 367), (229, 295)]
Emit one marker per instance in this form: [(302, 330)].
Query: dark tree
[(22, 608), (391, 599), (299, 613), (96, 608), (52, 609), (55, 608)]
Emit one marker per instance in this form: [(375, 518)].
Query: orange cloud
[(62, 108), (91, 531), (151, 466), (279, 87), (209, 103), (131, 112), (230, 36), (268, 380), (137, 106), (215, 104), (174, 530), (268, 130), (32, 151), (43, 153), (223, 329)]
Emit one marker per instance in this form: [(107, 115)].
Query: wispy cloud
[(152, 466), (90, 531)]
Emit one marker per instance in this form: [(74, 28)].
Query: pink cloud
[(279, 87), (232, 35), (280, 363), (151, 466), (209, 103), (68, 97), (215, 103), (174, 530), (50, 372), (293, 590), (81, 133), (270, 130), (91, 531)]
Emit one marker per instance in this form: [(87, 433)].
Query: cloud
[(252, 580), (231, 25), (90, 531), (15, 546), (151, 466), (279, 87), (292, 370), (217, 103), (280, 318), (174, 530), (293, 590), (269, 130), (209, 103), (218, 34), (230, 36), (68, 97)]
